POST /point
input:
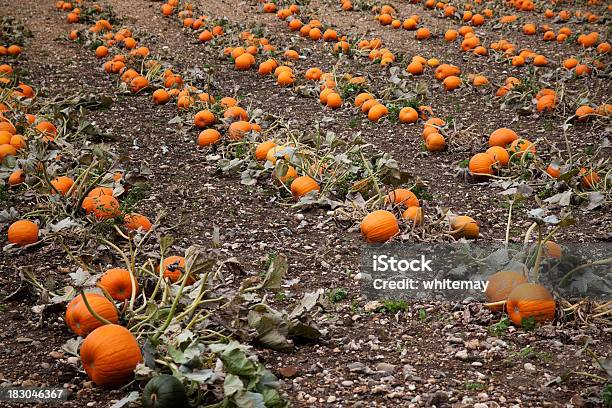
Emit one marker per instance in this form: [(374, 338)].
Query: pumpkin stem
[(509, 222), (493, 304), (90, 309)]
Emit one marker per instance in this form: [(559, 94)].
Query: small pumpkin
[(379, 226), (415, 214), (502, 137), (590, 178), (109, 356), (136, 221), (104, 207), (402, 196), (464, 227), (81, 322), (164, 391), (173, 268), (500, 285), (208, 137), (499, 155), (303, 185), (263, 148), (552, 250), (481, 163), (23, 232), (435, 142), (62, 184), (530, 300), (117, 282)]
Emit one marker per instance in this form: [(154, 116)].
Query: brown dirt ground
[(322, 254)]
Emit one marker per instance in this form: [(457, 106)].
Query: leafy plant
[(337, 295), (394, 306), (500, 327)]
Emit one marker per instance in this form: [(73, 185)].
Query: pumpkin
[(81, 322), (520, 146), (530, 300), (204, 118), (104, 207), (238, 130), (16, 177), (379, 226), (109, 356), (408, 115), (402, 196), (164, 391), (98, 191), (376, 112), (583, 113), (481, 163), (415, 214), (23, 232), (208, 137), (289, 176), (464, 227), (553, 170), (334, 100), (452, 82), (590, 178), (502, 137), (173, 268), (234, 113), (7, 150), (552, 250), (117, 282), (499, 154), (303, 185), (62, 184), (263, 148), (500, 285), (435, 142), (137, 221)]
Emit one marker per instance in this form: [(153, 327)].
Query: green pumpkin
[(164, 391)]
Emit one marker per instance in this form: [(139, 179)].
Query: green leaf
[(232, 385)]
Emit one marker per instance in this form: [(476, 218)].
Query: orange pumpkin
[(500, 285), (208, 137), (520, 146), (415, 214), (435, 142), (464, 227), (379, 226), (174, 267), (590, 178), (118, 283), (110, 355), (499, 155), (23, 232), (481, 163), (402, 196), (530, 300), (62, 184), (303, 185), (502, 137), (136, 221), (81, 322), (262, 149), (103, 207)]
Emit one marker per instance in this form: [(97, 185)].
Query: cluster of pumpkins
[(510, 291), (381, 225), (110, 351)]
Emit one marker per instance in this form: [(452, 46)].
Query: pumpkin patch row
[(238, 126)]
